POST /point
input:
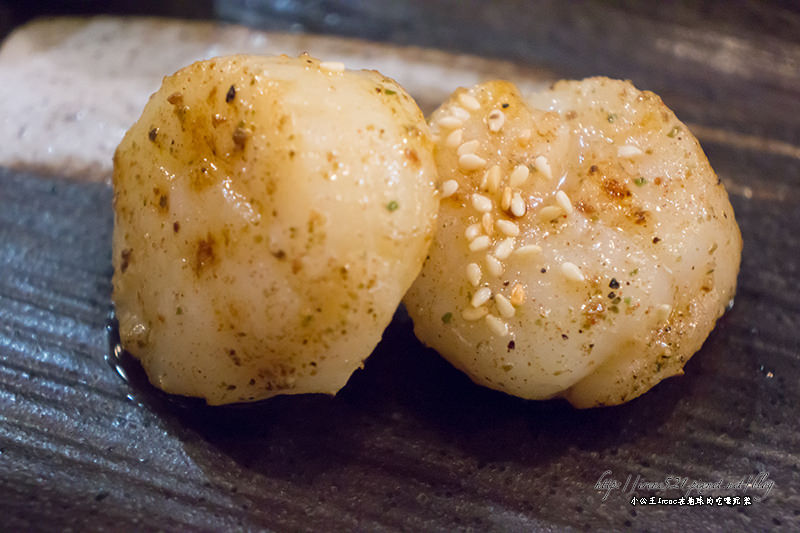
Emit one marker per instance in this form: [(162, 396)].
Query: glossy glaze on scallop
[(270, 213), (585, 247)]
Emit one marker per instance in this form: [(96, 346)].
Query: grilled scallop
[(585, 248), (270, 213)]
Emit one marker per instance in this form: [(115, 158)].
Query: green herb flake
[(179, 310), (673, 132), (640, 181), (627, 300), (389, 92), (447, 317), (392, 206), (611, 117), (634, 271)]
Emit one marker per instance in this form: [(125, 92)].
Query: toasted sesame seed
[(663, 311), (481, 203), (472, 231), (563, 200), (468, 147), (481, 296), (517, 205), (496, 325), (332, 66), (469, 101), (508, 228), (504, 306), (550, 212), (459, 112), (450, 122), (454, 138), (471, 162), (518, 175), (496, 120), (474, 274), (543, 165), (472, 313), (487, 223), (480, 243), (485, 177), (517, 295), (505, 200), (492, 178), (528, 250), (628, 150), (571, 271), (504, 248), (449, 187), (494, 266)]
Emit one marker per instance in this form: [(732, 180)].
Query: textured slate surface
[(410, 443)]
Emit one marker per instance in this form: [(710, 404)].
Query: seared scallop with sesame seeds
[(270, 213), (585, 248)]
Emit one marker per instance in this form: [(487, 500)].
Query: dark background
[(651, 43)]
